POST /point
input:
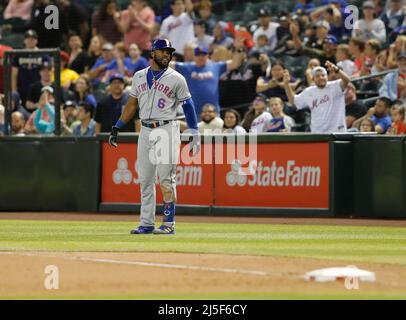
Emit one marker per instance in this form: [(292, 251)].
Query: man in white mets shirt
[(325, 99)]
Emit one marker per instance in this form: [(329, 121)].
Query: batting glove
[(194, 144), (113, 137)]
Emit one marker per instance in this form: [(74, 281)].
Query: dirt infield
[(158, 274), (182, 275), (58, 216)]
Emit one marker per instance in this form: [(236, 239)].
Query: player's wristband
[(120, 124)]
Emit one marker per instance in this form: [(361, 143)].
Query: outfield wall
[(295, 175)]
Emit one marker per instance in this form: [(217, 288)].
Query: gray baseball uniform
[(158, 148)]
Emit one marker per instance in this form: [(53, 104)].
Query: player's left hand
[(113, 137)]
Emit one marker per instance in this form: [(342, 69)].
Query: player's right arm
[(128, 113)]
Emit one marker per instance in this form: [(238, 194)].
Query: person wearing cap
[(394, 83), (26, 67), (369, 27), (257, 116), (137, 23), (335, 15), (102, 65), (69, 117), (266, 27), (203, 76), (86, 126), (178, 27), (34, 91), (326, 99), (329, 47), (109, 109), (202, 38), (43, 119)]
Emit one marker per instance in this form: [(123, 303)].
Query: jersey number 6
[(161, 103)]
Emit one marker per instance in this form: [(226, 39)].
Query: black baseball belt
[(155, 124)]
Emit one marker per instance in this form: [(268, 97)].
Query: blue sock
[(168, 211)]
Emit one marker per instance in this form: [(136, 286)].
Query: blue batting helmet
[(162, 44)]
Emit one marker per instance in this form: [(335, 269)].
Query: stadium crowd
[(302, 69)]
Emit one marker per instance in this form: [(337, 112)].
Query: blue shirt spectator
[(384, 122), (87, 126), (44, 126), (203, 82)]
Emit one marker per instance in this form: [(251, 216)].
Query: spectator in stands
[(205, 14), (210, 120), (75, 17), (202, 38), (44, 116), (34, 91), (369, 27), (367, 125), (231, 122), (372, 48), (273, 86), (102, 65), (257, 117), (95, 50), (354, 109), (178, 27), (83, 90), (25, 70), (394, 84), (17, 124), (18, 9), (333, 13), (356, 47), (381, 62), (138, 22), (117, 65), (134, 62), (221, 53), (394, 50), (68, 76), (78, 59), (267, 27), (86, 126), (329, 47), (398, 120), (393, 16), (262, 45), (106, 22), (325, 99), (109, 109), (220, 35), (303, 6), (343, 58), (238, 86), (16, 105), (313, 63), (379, 115), (69, 117), (280, 122), (203, 76), (315, 41)]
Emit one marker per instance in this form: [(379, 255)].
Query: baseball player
[(157, 91)]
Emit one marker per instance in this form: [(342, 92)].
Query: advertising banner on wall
[(120, 179), (284, 175)]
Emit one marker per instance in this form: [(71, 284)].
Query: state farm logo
[(122, 174), (276, 175), (185, 175)]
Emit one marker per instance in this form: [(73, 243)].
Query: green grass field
[(347, 243), (358, 244)]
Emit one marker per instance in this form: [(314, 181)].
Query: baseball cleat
[(143, 230), (164, 229)]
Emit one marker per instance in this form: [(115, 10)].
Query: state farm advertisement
[(282, 175), (120, 182)]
